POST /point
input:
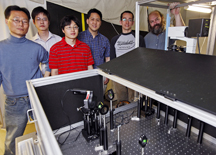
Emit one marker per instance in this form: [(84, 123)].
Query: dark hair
[(94, 11), (39, 10), (15, 8), (66, 20), (162, 18), (127, 12)]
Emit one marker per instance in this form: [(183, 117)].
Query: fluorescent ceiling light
[(213, 3), (198, 9)]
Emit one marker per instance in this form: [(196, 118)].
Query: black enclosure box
[(60, 104), (198, 27)]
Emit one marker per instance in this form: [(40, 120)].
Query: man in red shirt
[(70, 55)]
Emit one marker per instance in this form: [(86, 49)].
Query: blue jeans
[(15, 120)]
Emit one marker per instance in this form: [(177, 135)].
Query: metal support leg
[(166, 115), (188, 131), (111, 117), (139, 107), (101, 130), (158, 110), (141, 101), (143, 151), (138, 110), (146, 104), (174, 122), (150, 103), (88, 126), (118, 143), (105, 138), (175, 119), (201, 130), (101, 137)]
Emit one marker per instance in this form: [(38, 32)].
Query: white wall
[(5, 32)]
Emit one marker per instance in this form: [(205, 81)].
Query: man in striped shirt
[(70, 55)]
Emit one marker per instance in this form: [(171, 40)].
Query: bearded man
[(155, 39)]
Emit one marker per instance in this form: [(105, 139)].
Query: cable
[(68, 120), (77, 136), (203, 43), (198, 42), (58, 138), (59, 128), (114, 28), (124, 119)]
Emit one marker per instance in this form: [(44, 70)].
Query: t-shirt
[(124, 43)]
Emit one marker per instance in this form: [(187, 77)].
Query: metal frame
[(45, 135), (63, 78), (212, 31)]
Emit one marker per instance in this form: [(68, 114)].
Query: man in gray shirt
[(155, 39), (125, 42), (120, 45)]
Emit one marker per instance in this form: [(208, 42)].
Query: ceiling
[(163, 3), (181, 1)]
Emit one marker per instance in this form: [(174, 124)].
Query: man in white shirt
[(41, 20)]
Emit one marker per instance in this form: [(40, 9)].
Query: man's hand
[(90, 67), (47, 74), (106, 81), (54, 72), (174, 11)]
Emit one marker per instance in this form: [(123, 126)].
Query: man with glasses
[(155, 39), (125, 42), (70, 55), (41, 20), (19, 61), (122, 44)]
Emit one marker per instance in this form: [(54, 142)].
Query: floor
[(29, 129)]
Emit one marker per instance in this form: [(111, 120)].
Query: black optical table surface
[(189, 78), (160, 142)]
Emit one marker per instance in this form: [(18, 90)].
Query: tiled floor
[(29, 129)]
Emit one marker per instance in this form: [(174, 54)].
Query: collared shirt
[(156, 41), (52, 39), (68, 59), (100, 46)]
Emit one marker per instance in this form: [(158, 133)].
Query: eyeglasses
[(41, 19), (70, 28), (17, 21), (129, 20)]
